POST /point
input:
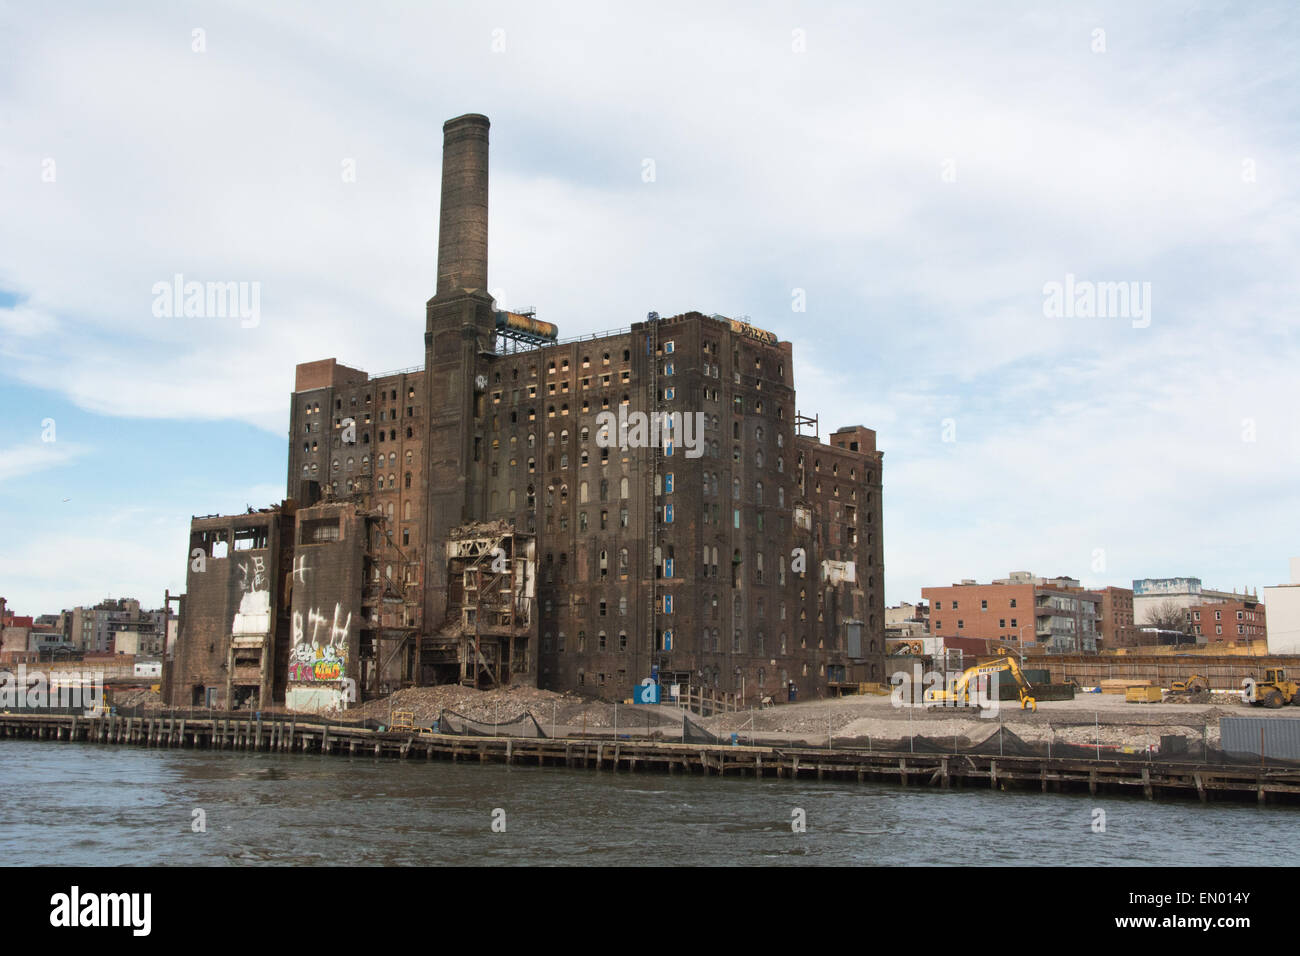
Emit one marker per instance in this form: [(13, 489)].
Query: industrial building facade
[(582, 515)]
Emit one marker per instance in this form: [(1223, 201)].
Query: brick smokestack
[(463, 227)]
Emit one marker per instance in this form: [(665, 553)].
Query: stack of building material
[(1118, 685), (1143, 695)]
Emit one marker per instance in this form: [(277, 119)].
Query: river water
[(107, 806)]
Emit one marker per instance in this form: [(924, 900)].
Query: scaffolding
[(486, 637)]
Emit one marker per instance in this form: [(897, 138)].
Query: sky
[(894, 188)]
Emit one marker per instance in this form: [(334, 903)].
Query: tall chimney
[(463, 227)]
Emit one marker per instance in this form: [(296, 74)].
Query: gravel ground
[(1089, 717)]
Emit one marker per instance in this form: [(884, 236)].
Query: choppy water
[(106, 806)]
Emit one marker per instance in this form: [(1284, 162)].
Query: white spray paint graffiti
[(254, 614)]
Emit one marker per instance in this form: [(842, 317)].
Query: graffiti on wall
[(320, 646), (254, 614)]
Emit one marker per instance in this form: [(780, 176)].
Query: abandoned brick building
[(582, 515)]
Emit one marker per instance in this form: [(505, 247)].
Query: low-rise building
[(1283, 603), (1220, 622), (1118, 629), (1151, 595), (1019, 611)]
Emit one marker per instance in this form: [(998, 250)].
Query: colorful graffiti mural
[(319, 657)]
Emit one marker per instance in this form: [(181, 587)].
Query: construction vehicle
[(1195, 684), (1273, 691), (959, 696)]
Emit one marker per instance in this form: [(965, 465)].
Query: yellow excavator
[(959, 696), (1195, 684)]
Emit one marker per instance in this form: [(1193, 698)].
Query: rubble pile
[(142, 697), (425, 704)]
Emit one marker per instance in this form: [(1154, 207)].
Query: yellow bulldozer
[(1273, 691)]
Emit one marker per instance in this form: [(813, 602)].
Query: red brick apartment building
[(1117, 626), (1019, 611), (1223, 621)]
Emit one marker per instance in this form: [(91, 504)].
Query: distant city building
[(15, 634), (1118, 629), (1021, 610), (1221, 622), (907, 613), (907, 630), (98, 630), (1283, 603), (1149, 594), (49, 643)]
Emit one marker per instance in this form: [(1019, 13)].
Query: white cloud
[(26, 459)]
